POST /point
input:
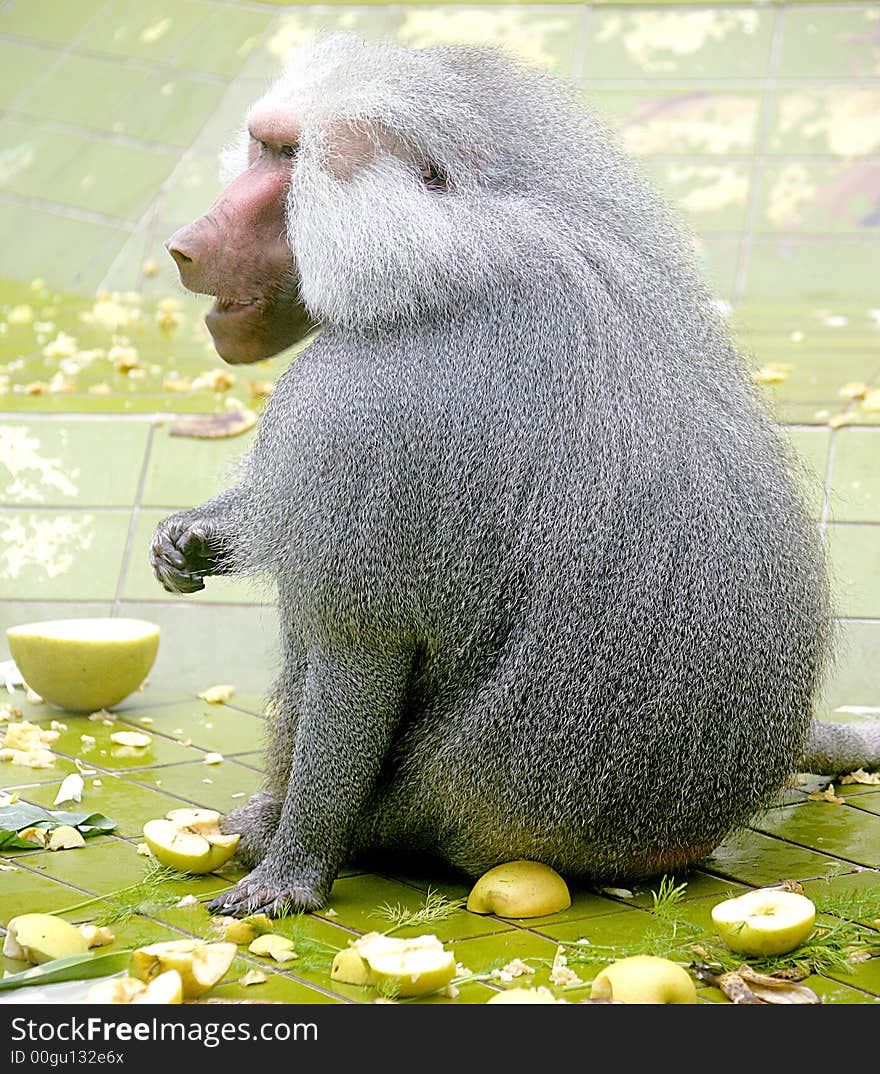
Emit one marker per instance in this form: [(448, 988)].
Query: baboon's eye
[(288, 151), (433, 178)]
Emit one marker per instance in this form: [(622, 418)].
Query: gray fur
[(546, 585)]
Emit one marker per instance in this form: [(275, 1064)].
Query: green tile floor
[(760, 121)]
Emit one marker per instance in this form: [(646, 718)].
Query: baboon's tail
[(833, 748)]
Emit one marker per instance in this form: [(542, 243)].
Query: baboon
[(545, 582)]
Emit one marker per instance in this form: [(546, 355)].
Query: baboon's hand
[(182, 553)]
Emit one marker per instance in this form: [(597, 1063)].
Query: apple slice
[(196, 820), (271, 945), (200, 965), (768, 921), (38, 938), (116, 990), (350, 968), (187, 851), (166, 988), (519, 889), (526, 995), (644, 979), (416, 971)]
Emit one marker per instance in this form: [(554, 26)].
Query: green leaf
[(73, 968), (15, 818)]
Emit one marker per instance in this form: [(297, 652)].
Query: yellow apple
[(416, 970), (166, 988), (519, 889), (271, 945), (39, 938), (200, 965), (350, 968), (644, 979), (84, 664), (769, 921), (526, 995), (197, 847)]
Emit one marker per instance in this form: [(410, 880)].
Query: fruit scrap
[(66, 837), (278, 947), (414, 967), (167, 987), (131, 738), (216, 695), (97, 935), (28, 744), (200, 965)]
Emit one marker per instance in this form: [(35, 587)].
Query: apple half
[(644, 979), (519, 889), (190, 840), (416, 965), (768, 921)]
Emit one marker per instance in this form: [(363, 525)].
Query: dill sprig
[(435, 908), (150, 892), (829, 949)]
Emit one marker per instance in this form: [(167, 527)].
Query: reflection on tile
[(20, 65), (54, 555), (758, 860), (542, 38), (58, 463), (842, 830), (713, 43), (830, 42), (697, 121), (843, 120), (809, 196)]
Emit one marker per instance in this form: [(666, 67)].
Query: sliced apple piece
[(66, 837), (349, 967), (39, 938), (200, 965), (170, 845), (644, 979), (272, 945), (769, 921), (415, 971), (166, 988), (116, 990), (526, 995), (519, 889), (197, 820)]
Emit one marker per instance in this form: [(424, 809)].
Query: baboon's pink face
[(239, 252)]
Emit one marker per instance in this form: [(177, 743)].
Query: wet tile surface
[(759, 123)]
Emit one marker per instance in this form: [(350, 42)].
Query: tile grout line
[(132, 526), (750, 219)]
